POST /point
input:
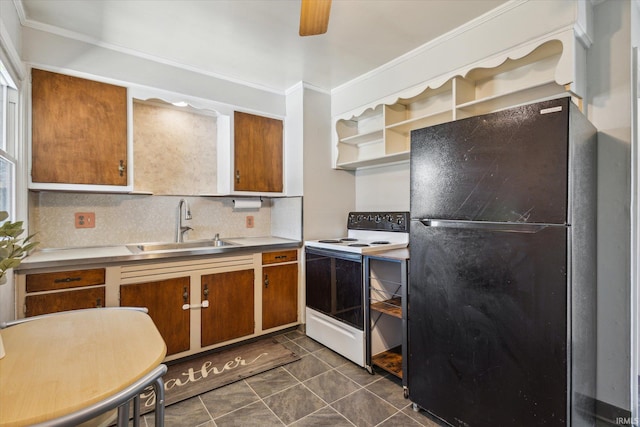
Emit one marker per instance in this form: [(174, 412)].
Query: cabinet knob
[(185, 295), (98, 302), (237, 177), (266, 280), (122, 168)]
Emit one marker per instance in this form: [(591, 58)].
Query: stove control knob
[(378, 219)]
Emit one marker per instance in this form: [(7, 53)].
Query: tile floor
[(320, 389)]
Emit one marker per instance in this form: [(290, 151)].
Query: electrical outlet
[(249, 221), (85, 219)]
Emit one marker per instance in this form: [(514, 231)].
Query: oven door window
[(334, 285)]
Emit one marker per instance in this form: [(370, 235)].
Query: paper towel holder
[(250, 203)]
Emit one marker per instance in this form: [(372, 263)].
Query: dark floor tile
[(188, 413), (308, 344), (330, 357), (291, 345), (325, 417), (294, 403), (364, 408), (390, 389), (358, 374), (307, 367), (255, 415), (229, 398), (399, 420), (271, 382), (331, 386), (294, 335)]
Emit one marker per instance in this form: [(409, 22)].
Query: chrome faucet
[(183, 206)]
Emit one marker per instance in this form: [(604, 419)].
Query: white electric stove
[(335, 279)]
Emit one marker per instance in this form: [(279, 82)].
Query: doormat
[(189, 378)]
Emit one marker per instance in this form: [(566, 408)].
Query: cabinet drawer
[(64, 280), (280, 256), (54, 302)]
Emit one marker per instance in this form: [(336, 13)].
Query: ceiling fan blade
[(314, 17)]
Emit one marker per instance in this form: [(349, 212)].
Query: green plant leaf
[(12, 249)]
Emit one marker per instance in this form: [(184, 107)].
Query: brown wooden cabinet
[(258, 153), (79, 131), (230, 313), (164, 299), (58, 291), (279, 288)]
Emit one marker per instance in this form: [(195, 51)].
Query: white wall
[(383, 188), (329, 195), (609, 110)]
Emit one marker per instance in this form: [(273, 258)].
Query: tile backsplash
[(126, 218)]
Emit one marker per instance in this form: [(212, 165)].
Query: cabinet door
[(164, 300), (258, 152), (279, 295), (79, 130), (231, 306), (54, 302)]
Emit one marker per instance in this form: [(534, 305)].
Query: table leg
[(123, 415), (136, 411), (158, 387)]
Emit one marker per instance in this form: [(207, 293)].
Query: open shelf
[(390, 361), (382, 135), (375, 161), (363, 137), (392, 307), (511, 99), (434, 118)]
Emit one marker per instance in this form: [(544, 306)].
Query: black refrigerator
[(501, 296)]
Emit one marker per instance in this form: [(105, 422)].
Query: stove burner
[(348, 239), (359, 245), (380, 242), (329, 241)]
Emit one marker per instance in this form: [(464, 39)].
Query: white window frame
[(9, 114)]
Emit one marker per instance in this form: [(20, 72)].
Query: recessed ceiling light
[(180, 104)]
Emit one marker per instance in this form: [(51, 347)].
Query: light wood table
[(61, 366)]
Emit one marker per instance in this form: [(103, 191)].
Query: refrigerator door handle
[(506, 227)]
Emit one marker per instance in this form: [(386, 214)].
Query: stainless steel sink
[(174, 246)]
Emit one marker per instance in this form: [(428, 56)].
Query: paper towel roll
[(247, 204)]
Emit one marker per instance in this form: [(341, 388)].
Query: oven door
[(334, 285)]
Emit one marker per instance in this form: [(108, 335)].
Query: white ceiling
[(256, 41)]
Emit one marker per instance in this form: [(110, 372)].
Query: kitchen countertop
[(48, 258)]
